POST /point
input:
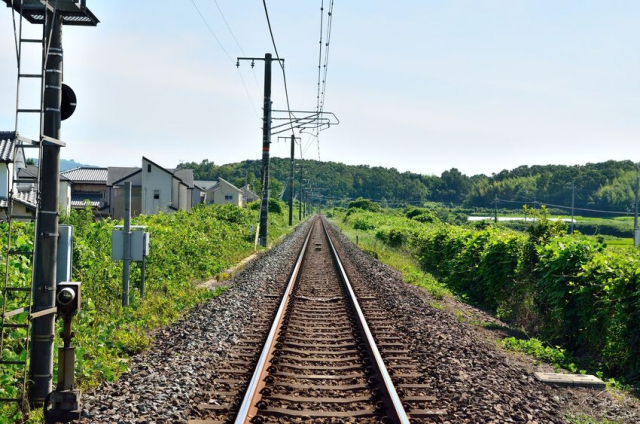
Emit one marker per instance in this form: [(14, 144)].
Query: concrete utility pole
[(266, 142), (495, 209), (126, 262), (293, 148), (44, 289), (300, 194), (636, 230), (291, 175), (573, 205)]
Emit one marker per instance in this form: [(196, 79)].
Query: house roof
[(26, 194), (205, 185), (79, 199), (232, 186), (185, 175), (249, 195), (31, 172), (116, 174), (87, 175), (7, 146)]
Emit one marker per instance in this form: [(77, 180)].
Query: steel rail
[(247, 408), (396, 413)]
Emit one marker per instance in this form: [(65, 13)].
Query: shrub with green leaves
[(568, 290)]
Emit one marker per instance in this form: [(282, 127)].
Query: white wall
[(157, 179), (64, 197), (224, 189), (4, 180), (185, 200)]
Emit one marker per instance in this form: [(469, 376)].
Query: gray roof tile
[(7, 146), (87, 175), (79, 199)]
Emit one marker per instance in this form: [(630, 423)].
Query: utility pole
[(44, 290), (495, 209), (300, 194), (291, 176), (573, 205), (266, 142), (293, 151), (636, 230), (126, 263), (52, 111)]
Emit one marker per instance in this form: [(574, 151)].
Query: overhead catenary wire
[(322, 81), (255, 111)]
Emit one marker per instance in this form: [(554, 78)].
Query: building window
[(148, 167), (156, 194), (228, 197)]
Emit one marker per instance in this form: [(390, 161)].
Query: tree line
[(608, 186)]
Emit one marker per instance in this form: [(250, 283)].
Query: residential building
[(248, 196), (116, 177), (221, 192), (87, 185), (153, 189)]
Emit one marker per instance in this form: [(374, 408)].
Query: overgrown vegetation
[(186, 248), (569, 291)]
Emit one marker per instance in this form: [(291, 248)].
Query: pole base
[(65, 407)]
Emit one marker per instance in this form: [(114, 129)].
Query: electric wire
[(255, 111), (325, 67), (236, 41), (537, 202), (319, 73), (320, 53), (284, 75)]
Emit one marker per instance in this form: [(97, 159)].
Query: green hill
[(605, 186)]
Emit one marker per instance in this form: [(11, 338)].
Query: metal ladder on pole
[(18, 253)]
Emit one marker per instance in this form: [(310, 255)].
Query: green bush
[(568, 290)]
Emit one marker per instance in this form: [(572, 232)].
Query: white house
[(12, 161), (221, 192)]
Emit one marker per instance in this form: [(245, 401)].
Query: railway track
[(320, 350)]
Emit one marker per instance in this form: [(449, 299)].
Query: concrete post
[(44, 288)]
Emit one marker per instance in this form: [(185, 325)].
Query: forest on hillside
[(607, 186)]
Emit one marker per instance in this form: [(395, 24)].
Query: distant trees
[(607, 185)]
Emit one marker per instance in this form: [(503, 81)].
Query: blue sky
[(425, 86)]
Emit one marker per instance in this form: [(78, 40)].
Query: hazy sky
[(423, 85)]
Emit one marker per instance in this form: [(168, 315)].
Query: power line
[(237, 42), (284, 75), (326, 55), (320, 53), (226, 52), (566, 207), (322, 92), (211, 30)]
